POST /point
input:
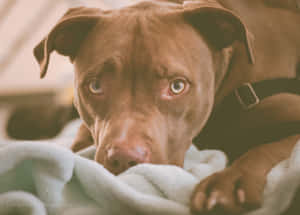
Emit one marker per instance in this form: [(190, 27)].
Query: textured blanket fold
[(38, 178)]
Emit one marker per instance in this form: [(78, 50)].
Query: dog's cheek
[(196, 119), (199, 109), (83, 109)]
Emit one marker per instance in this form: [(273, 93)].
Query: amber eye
[(95, 87), (177, 86)]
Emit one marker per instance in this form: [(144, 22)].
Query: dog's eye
[(95, 87), (177, 86)]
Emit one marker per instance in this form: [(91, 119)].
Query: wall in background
[(23, 23)]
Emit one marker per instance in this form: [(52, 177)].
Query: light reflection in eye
[(95, 87), (177, 86)]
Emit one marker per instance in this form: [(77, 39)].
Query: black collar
[(222, 120)]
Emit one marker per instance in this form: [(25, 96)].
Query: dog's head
[(145, 75)]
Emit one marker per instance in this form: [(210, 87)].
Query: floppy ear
[(67, 35), (219, 26)]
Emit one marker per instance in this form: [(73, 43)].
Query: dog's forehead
[(141, 35)]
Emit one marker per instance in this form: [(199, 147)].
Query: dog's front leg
[(239, 188), (83, 139)]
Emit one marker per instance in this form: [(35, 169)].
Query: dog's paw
[(230, 191)]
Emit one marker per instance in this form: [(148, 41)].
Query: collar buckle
[(246, 96)]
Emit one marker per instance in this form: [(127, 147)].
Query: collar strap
[(244, 98), (249, 95)]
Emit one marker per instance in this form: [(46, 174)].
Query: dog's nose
[(121, 158)]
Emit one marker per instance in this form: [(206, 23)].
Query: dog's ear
[(67, 35), (219, 26)]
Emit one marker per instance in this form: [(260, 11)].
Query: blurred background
[(29, 106)]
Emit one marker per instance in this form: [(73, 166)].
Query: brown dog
[(148, 77)]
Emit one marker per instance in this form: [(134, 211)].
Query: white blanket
[(38, 178)]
